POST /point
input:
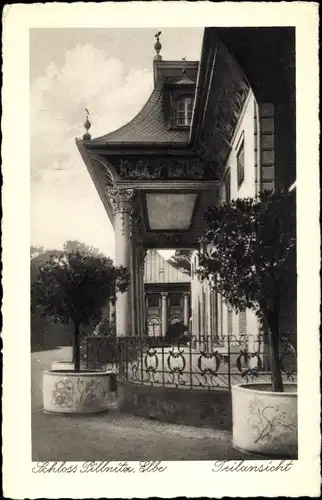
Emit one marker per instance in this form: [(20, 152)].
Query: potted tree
[(73, 287), (250, 256)]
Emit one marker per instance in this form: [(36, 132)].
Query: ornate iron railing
[(194, 363)]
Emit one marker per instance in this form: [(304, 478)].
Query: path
[(116, 435)]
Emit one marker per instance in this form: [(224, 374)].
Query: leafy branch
[(74, 287), (250, 247)]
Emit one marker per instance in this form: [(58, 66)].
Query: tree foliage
[(106, 327), (35, 250), (75, 245), (182, 260), (251, 248), (39, 255), (74, 287)]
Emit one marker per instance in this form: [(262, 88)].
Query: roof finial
[(184, 69), (158, 46), (87, 126), (185, 80)]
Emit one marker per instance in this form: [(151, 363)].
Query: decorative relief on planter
[(69, 393), (269, 423)]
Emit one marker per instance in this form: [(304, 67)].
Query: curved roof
[(148, 126)]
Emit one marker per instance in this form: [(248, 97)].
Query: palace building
[(167, 295), (212, 130)]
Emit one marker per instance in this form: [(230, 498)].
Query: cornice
[(155, 185)]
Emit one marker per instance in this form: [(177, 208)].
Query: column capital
[(121, 199), (164, 294)]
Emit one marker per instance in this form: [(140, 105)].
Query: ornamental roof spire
[(158, 47), (184, 69), (185, 80), (87, 125)]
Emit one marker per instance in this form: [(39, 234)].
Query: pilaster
[(164, 312), (142, 301), (186, 309)]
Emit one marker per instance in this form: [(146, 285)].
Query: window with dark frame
[(153, 300), (175, 300), (184, 111), (241, 164)]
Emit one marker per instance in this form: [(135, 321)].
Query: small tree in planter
[(252, 243), (74, 287)]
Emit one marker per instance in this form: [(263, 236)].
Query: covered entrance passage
[(210, 132), (158, 174), (167, 294)]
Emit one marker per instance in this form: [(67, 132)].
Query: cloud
[(87, 79), (60, 184)]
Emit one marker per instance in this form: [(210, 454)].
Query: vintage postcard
[(161, 250)]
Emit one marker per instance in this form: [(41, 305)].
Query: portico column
[(186, 309), (145, 317), (138, 292), (209, 316), (121, 202), (132, 286), (164, 312), (143, 305)]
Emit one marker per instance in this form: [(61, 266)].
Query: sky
[(108, 71)]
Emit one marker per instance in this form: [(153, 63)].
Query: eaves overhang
[(97, 175), (221, 93)]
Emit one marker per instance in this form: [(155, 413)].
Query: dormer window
[(184, 111)]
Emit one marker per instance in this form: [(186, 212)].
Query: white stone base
[(265, 422), (70, 392)]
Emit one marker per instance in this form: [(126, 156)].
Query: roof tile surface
[(148, 126)]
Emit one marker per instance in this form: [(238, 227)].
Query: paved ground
[(116, 435)]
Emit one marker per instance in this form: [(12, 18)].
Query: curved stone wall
[(200, 408)]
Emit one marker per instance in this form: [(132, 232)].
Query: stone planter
[(265, 422), (70, 392)]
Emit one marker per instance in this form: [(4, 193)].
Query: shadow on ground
[(116, 435)]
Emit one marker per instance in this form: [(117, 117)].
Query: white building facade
[(166, 293), (249, 170)]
